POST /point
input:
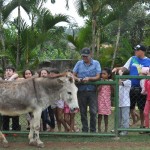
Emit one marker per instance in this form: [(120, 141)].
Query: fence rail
[(113, 118)]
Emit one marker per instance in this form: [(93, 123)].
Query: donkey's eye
[(69, 93)]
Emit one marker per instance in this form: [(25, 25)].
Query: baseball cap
[(140, 47), (85, 52)]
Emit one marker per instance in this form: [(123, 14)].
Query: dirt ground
[(77, 145), (57, 142)]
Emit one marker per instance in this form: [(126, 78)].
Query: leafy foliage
[(44, 40)]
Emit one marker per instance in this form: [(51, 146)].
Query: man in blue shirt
[(87, 70)]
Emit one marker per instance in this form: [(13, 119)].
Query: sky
[(58, 8)]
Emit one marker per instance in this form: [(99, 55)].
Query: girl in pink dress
[(69, 118), (104, 99)]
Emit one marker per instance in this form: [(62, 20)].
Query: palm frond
[(47, 21), (7, 9)]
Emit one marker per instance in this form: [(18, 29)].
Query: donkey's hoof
[(5, 144), (116, 138), (33, 143), (40, 145)]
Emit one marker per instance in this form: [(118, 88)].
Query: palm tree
[(100, 14), (46, 22), (120, 9), (3, 60), (105, 17), (29, 7), (89, 8), (33, 38), (25, 4)]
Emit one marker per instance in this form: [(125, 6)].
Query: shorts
[(67, 109), (137, 97), (58, 103)]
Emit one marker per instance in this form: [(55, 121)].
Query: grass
[(134, 141), (24, 125)]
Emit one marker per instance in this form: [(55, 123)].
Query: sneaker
[(123, 133), (141, 132), (112, 131)]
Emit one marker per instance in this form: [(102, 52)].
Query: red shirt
[(147, 88)]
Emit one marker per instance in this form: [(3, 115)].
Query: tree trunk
[(32, 22), (117, 44), (93, 35), (3, 60), (27, 55), (98, 42), (18, 40)]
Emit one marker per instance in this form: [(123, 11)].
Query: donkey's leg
[(36, 125), (31, 133), (3, 139)]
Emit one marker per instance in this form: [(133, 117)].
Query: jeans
[(124, 117), (46, 120), (85, 99), (15, 123)]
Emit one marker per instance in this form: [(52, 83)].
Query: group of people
[(58, 112), (135, 65), (130, 95), (96, 98)]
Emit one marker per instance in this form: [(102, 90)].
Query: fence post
[(0, 122), (116, 96)]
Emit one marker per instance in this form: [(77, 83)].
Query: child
[(104, 99), (58, 106), (135, 117), (27, 74), (144, 72), (147, 104), (11, 75), (69, 118), (124, 102), (47, 111)]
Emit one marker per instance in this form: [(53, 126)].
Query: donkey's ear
[(70, 76), (60, 80), (71, 80)]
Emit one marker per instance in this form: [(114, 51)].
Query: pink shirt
[(147, 88)]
